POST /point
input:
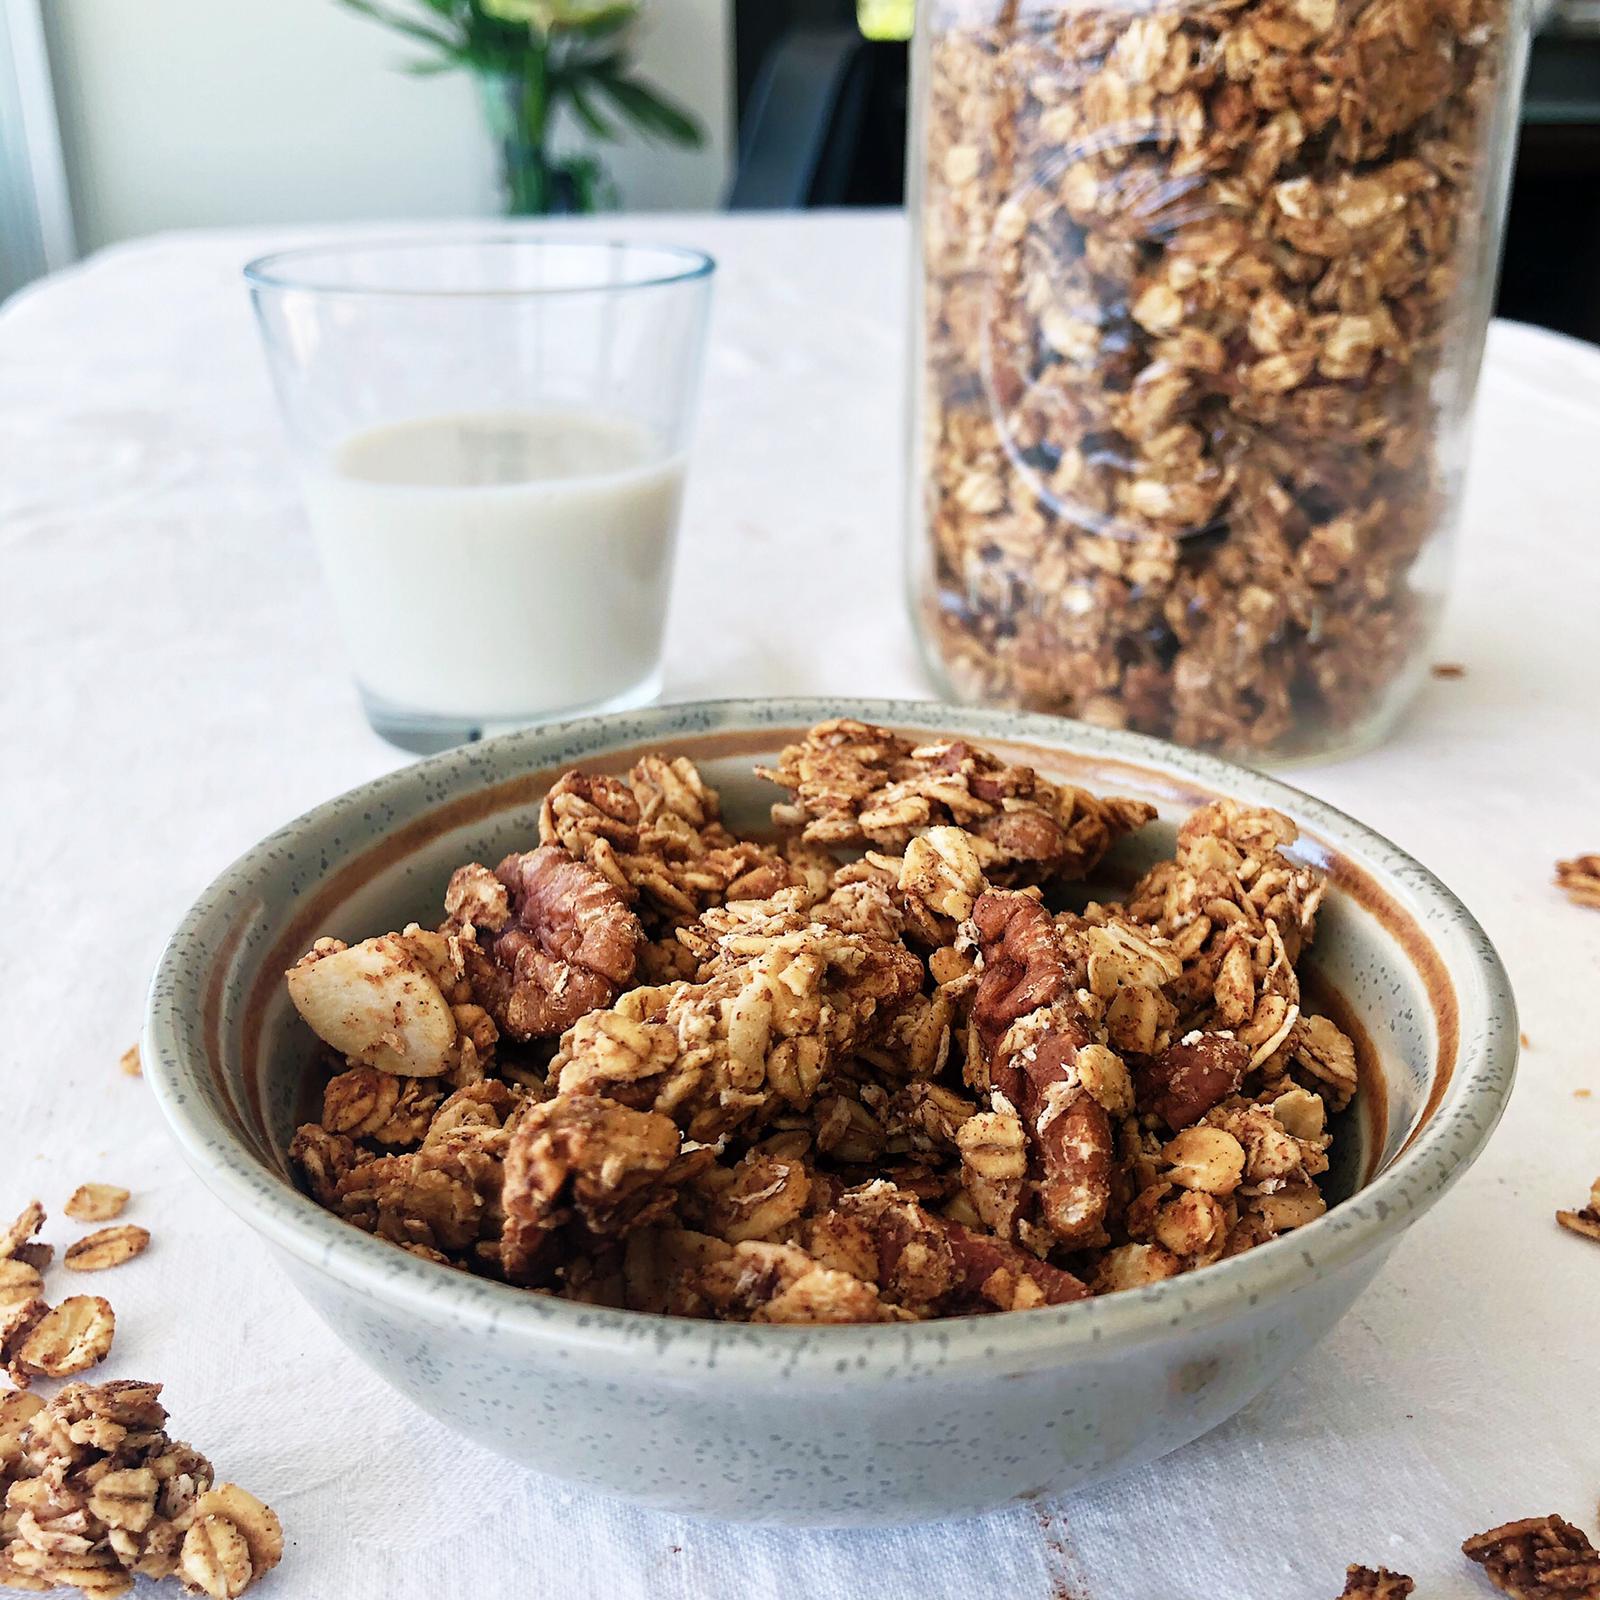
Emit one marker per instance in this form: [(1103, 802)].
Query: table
[(171, 688)]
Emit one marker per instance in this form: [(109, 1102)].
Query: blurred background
[(118, 121)]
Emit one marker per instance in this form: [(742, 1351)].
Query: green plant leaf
[(407, 25), (650, 111), (583, 108)]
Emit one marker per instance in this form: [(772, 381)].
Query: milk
[(496, 565)]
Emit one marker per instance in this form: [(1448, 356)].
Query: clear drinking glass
[(492, 435)]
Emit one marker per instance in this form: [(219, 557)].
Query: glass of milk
[(491, 434)]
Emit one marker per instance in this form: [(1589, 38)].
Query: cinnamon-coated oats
[(96, 1202), (885, 1084), (1538, 1558), (1375, 1583), (97, 1493), (1580, 878), (1200, 312), (1586, 1221), (106, 1247)]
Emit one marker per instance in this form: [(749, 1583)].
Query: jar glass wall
[(1201, 294)]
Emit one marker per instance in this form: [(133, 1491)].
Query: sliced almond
[(130, 1063), (107, 1247), (96, 1202), (74, 1337), (377, 1004)]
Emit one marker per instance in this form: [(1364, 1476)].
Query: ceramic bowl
[(820, 1425)]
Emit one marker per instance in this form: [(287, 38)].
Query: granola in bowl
[(567, 1263), (883, 1065)]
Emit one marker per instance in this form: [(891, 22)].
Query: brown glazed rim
[(234, 1157)]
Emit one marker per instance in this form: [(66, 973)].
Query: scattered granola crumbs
[(96, 1202), (69, 1339), (1448, 669), (107, 1247), (1580, 879), (97, 1493), (1582, 1094), (1375, 1583), (1525, 1041), (15, 1238), (129, 1062), (1586, 1221), (1538, 1558)]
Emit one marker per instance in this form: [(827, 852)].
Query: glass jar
[(1202, 291)]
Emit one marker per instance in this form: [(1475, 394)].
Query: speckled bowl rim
[(1369, 1220)]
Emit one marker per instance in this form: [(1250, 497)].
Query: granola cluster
[(1375, 1583), (1201, 316), (1538, 1558), (96, 1493), (873, 1070)]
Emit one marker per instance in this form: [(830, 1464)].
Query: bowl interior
[(374, 862)]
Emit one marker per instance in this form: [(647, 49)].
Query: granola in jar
[(1203, 293)]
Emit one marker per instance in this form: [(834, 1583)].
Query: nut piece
[(1207, 1159), (1587, 1221), (107, 1247), (376, 1003), (96, 1202), (1538, 1558), (129, 1063), (73, 1337), (570, 946), (1191, 1077), (1580, 879), (1375, 1583)]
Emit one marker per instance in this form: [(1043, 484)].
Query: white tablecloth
[(171, 688)]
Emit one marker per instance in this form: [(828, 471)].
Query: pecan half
[(569, 946), (1189, 1078), (933, 1266), (1033, 1044)]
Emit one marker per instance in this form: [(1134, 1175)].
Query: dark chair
[(798, 143)]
